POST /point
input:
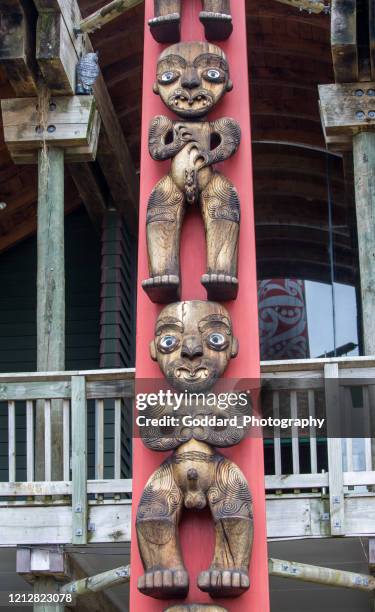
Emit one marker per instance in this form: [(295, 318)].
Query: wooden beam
[(92, 601), (68, 121), (106, 14), (320, 575), (344, 40), (311, 6), (90, 191), (346, 109), (55, 54), (100, 582), (113, 152), (17, 45), (364, 180)]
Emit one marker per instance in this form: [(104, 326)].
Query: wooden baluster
[(313, 446), (12, 441), (29, 441), (66, 440)]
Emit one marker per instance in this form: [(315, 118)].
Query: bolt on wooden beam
[(321, 575), (106, 14)]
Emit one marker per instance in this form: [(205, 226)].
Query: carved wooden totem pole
[(185, 189)]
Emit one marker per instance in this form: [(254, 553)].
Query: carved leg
[(165, 26), (230, 502), (217, 19), (164, 219), (157, 521), (221, 215)]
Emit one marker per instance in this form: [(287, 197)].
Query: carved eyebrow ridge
[(169, 322), (172, 59), (208, 58), (216, 320)]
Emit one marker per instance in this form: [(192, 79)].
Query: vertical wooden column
[(50, 296), (196, 530), (364, 179)]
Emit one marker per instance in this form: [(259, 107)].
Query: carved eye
[(167, 344), (217, 341), (168, 77), (214, 75)]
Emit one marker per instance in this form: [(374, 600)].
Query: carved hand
[(160, 127)]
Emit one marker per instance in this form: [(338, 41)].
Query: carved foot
[(220, 287), (166, 29), (163, 289), (217, 26), (224, 583), (165, 584)]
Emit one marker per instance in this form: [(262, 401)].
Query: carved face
[(193, 344), (192, 77)]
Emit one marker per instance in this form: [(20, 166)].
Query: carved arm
[(229, 133), (160, 127)]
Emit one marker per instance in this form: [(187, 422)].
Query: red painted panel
[(196, 530)]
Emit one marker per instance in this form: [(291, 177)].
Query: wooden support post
[(44, 568), (79, 460), (321, 575), (50, 298), (51, 275), (335, 475), (347, 112), (364, 179)]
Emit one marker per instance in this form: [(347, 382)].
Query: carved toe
[(220, 287), (166, 29), (162, 289), (164, 584), (217, 26), (224, 583)]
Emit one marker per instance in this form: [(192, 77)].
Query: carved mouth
[(197, 103), (192, 375)]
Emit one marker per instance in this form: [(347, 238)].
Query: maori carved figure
[(215, 16), (193, 344), (191, 79)]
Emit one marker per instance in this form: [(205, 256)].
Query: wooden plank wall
[(117, 326)]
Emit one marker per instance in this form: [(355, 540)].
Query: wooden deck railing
[(313, 467), (330, 389)]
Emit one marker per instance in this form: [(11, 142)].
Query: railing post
[(79, 460), (334, 449)]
